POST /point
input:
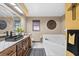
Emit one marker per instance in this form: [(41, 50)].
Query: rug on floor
[(37, 52)]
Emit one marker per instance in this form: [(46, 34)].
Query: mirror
[(3, 24), (51, 24)]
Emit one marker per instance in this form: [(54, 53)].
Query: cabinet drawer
[(9, 51)]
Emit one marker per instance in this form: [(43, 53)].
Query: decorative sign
[(51, 24), (3, 24)]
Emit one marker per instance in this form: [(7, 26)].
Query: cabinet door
[(9, 51), (25, 47), (19, 48), (19, 53), (29, 42), (28, 45)]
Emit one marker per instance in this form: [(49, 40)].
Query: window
[(36, 25), (17, 23)]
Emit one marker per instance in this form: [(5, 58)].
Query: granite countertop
[(6, 44)]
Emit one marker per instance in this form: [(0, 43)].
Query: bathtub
[(55, 45)]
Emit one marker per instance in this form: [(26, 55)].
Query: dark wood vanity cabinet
[(29, 42), (11, 51), (21, 48), (25, 44)]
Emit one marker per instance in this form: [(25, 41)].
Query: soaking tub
[(55, 45)]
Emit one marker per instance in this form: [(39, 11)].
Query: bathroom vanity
[(17, 48)]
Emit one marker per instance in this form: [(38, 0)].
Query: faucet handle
[(7, 34)]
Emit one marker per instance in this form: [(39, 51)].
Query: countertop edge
[(13, 43)]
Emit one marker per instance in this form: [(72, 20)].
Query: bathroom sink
[(14, 38)]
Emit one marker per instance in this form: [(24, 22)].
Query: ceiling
[(5, 11), (46, 9), (33, 9)]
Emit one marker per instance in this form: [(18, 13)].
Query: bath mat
[(37, 52)]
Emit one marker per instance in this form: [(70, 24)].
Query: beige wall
[(23, 22), (27, 25), (9, 21), (63, 24), (43, 26), (9, 24), (9, 27)]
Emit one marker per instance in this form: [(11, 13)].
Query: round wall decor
[(51, 24), (3, 24)]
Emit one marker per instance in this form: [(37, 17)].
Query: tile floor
[(37, 49), (49, 53), (37, 45)]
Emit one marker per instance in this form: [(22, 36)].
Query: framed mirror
[(3, 24)]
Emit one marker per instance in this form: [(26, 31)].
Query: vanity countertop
[(6, 44)]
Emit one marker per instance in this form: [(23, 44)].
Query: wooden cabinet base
[(9, 51), (23, 47), (19, 49)]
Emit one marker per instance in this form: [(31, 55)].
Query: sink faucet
[(11, 33), (7, 33)]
